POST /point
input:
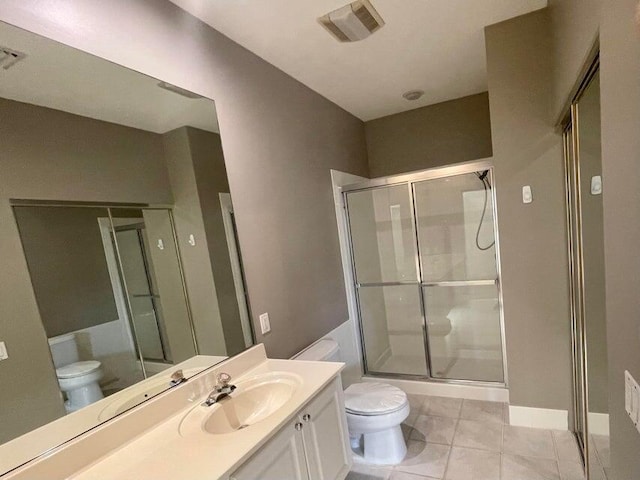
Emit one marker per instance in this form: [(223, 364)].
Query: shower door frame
[(153, 298), (410, 179)]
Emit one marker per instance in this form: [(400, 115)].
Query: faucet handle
[(177, 378), (223, 379)]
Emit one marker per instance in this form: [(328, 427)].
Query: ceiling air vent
[(8, 57), (352, 22)]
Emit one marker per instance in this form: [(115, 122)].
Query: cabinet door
[(325, 434), (281, 458)]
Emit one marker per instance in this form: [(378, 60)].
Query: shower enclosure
[(427, 278)]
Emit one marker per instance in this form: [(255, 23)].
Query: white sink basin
[(138, 393), (254, 400)]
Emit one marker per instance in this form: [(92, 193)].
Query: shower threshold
[(444, 388)]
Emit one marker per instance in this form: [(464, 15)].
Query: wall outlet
[(527, 194), (265, 325), (3, 351)]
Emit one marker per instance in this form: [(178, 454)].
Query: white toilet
[(374, 412), (78, 380)]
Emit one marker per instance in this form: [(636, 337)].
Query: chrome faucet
[(177, 378), (221, 390)]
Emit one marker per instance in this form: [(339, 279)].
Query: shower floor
[(482, 370)]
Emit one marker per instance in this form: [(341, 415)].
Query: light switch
[(596, 185), (636, 403), (3, 351), (265, 325), (632, 398), (192, 240), (527, 194)]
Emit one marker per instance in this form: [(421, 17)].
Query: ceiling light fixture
[(353, 22), (413, 95)]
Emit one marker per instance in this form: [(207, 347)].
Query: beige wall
[(197, 172), (527, 150), (211, 180), (449, 132), (73, 159), (65, 254), (574, 30), (168, 282), (620, 99), (576, 26), (280, 140), (189, 220)]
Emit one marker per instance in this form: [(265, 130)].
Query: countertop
[(35, 443), (163, 453)]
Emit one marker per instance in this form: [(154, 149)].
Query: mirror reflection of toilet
[(77, 379)]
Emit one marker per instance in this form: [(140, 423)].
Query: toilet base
[(83, 396), (386, 447)]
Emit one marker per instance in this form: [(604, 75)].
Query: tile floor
[(454, 439)]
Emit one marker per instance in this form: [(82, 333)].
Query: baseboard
[(470, 392), (538, 417), (598, 423)]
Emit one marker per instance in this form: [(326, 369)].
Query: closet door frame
[(574, 194)]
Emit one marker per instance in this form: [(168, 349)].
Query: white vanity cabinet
[(281, 458), (313, 446)]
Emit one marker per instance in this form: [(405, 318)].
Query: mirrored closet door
[(587, 281)]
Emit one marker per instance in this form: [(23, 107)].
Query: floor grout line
[(422, 410), (555, 449), (502, 446), (446, 465)]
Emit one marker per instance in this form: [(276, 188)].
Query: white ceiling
[(59, 77), (431, 45)]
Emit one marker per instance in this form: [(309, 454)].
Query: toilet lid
[(373, 398), (77, 369)]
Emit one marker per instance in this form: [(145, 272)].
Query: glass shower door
[(387, 282), (456, 241)]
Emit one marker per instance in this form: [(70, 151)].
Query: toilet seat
[(374, 399), (77, 369)]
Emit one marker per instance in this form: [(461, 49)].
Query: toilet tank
[(64, 349), (324, 350)]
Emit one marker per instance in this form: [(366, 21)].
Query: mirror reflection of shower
[(104, 289)]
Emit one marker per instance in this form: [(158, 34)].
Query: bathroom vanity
[(285, 419)]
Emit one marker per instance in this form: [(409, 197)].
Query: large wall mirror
[(120, 261)]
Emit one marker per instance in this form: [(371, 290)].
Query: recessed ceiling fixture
[(352, 22), (9, 57), (413, 95)]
